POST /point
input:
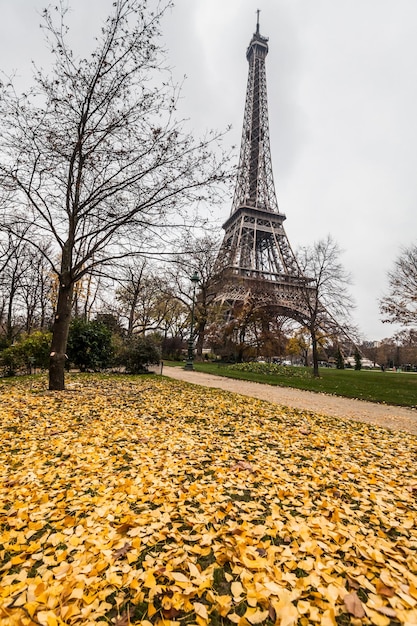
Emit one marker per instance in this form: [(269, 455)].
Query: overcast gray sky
[(342, 92)]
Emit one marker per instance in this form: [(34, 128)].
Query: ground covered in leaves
[(150, 501)]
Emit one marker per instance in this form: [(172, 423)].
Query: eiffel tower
[(255, 260)]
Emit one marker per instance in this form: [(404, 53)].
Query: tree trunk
[(9, 322), (60, 337), (200, 339), (132, 311), (315, 354)]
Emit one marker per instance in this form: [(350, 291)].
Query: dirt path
[(395, 418)]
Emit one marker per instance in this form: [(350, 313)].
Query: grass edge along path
[(395, 388), (383, 415), (144, 500)]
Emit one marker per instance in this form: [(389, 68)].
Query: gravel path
[(393, 417)]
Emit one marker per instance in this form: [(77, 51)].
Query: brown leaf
[(123, 620), (386, 610), (353, 584), (272, 613), (10, 483), (171, 613), (117, 554), (244, 465), (354, 605), (383, 590), (123, 528)]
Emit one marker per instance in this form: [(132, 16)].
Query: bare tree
[(8, 245), (406, 342), (174, 322), (93, 158), (16, 275), (10, 283), (143, 297), (326, 298), (127, 294), (400, 305), (197, 254), (146, 300), (35, 295), (86, 299)]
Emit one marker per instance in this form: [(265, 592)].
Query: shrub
[(140, 352), (273, 369), (11, 360), (89, 345), (31, 351)]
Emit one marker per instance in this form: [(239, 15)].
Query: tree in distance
[(200, 254), (400, 305), (326, 296), (93, 160)]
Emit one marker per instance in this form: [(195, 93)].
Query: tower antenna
[(257, 20)]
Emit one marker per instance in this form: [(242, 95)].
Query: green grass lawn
[(399, 388)]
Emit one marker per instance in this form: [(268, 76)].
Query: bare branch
[(400, 305)]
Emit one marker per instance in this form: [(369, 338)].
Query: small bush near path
[(144, 500), (138, 353), (269, 369)]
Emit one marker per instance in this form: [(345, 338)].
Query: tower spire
[(257, 21), (255, 184)]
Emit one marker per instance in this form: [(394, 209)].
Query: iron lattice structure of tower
[(256, 259)]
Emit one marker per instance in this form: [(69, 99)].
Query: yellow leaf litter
[(150, 501)]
